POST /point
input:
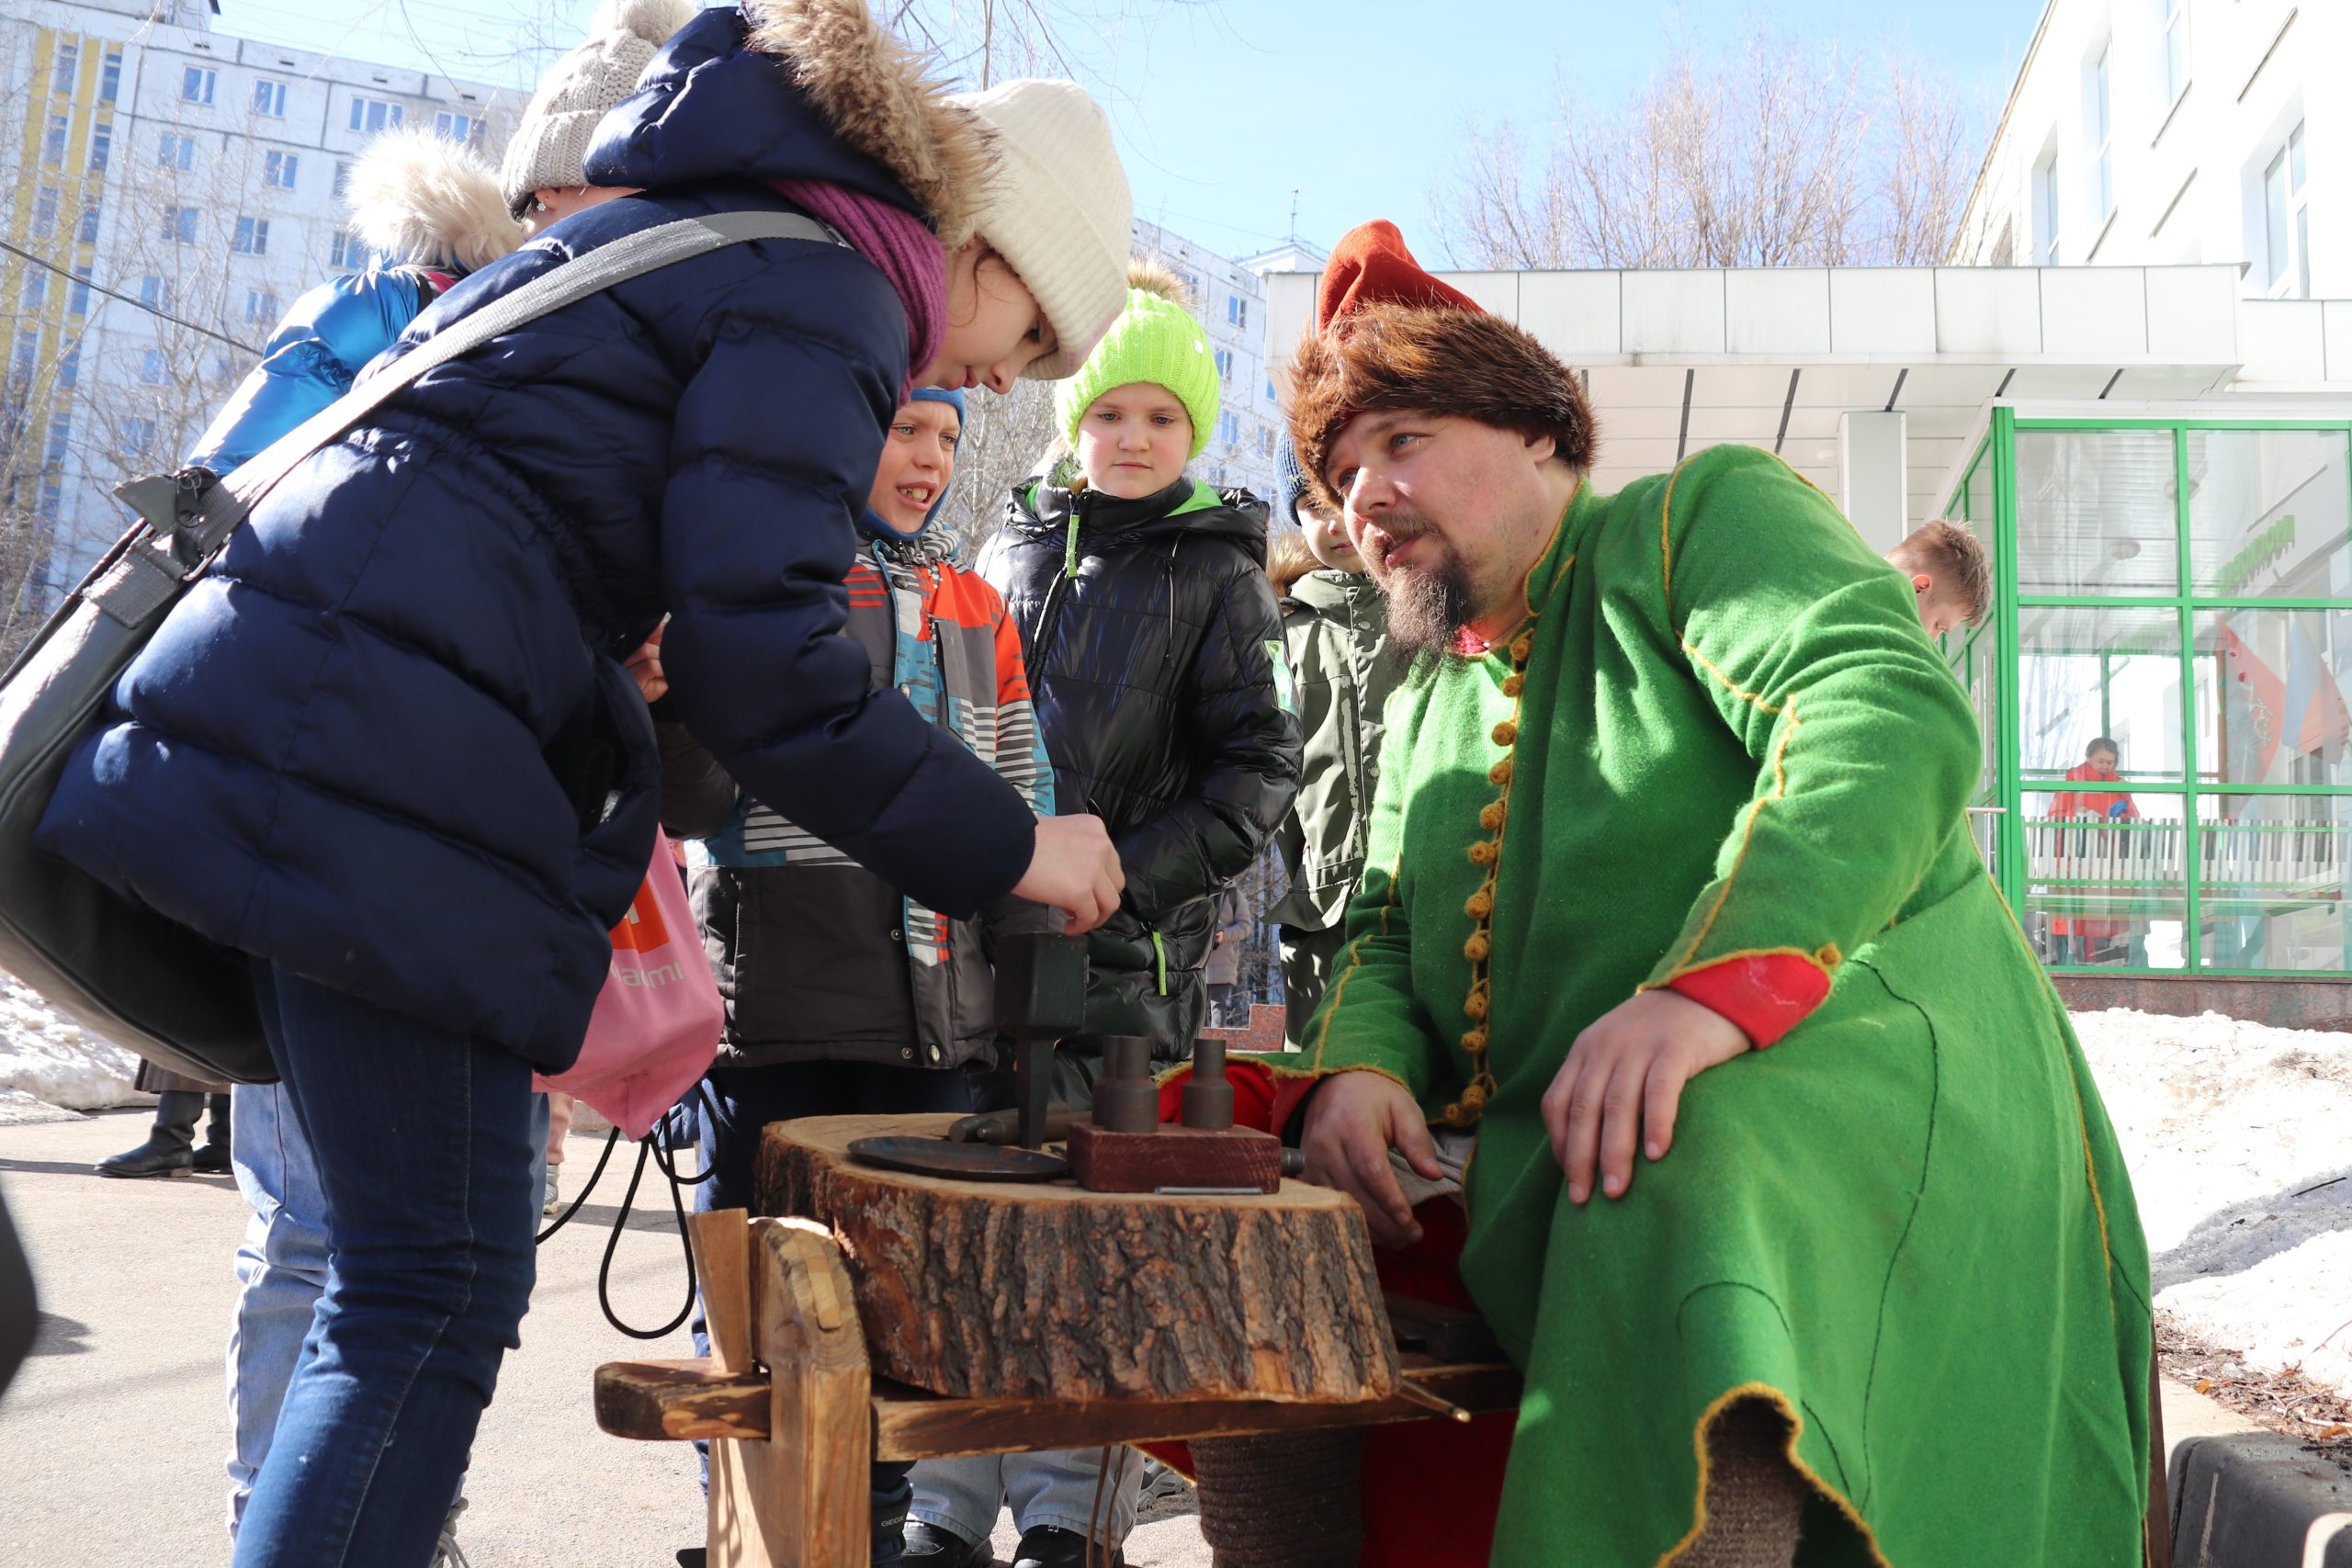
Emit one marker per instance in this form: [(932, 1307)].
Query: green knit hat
[(1155, 340)]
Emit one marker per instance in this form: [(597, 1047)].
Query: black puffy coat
[(1158, 674), (386, 745)]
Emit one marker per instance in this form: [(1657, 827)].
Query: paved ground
[(112, 1440)]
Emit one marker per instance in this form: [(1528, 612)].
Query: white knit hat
[(551, 142), (1056, 209)]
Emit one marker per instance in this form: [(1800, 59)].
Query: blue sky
[(1224, 109)]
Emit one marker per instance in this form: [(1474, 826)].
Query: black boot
[(211, 1157), (167, 1150)]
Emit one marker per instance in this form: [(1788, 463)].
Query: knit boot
[(1754, 1499), (1283, 1499)]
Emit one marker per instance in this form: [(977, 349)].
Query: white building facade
[(2173, 131), (200, 177)]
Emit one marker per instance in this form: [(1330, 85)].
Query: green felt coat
[(1907, 1224)]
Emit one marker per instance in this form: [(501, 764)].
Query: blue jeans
[(423, 1158), (731, 1107), (281, 1271)]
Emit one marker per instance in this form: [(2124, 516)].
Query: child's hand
[(1626, 1073), (645, 664), (1075, 868)]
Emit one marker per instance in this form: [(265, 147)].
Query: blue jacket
[(311, 359), (386, 745)]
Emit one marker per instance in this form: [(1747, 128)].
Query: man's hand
[(1076, 869), (644, 665), (1352, 1121), (1626, 1074)]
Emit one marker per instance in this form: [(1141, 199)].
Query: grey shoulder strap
[(137, 583)]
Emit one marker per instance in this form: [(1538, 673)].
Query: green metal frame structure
[(1993, 653)]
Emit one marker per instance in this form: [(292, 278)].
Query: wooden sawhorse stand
[(795, 1418)]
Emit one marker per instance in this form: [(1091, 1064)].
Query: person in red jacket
[(2089, 939)]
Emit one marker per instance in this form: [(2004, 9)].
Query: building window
[(197, 84), (89, 231), (342, 178), (150, 368), (1266, 441), (77, 302), (277, 169), (261, 306), (179, 225), (252, 237), (111, 80), (27, 358), (61, 437), (2287, 218), (139, 434), (45, 212), (1225, 365), (349, 252), (101, 147), (1270, 391), (1228, 429), (2045, 210), (176, 153), (69, 369), (52, 144), (1236, 310), (2176, 49), (270, 98), (374, 114), (2103, 132), (68, 65), (35, 293), (156, 293), (464, 129)]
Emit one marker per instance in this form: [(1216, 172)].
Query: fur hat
[(1390, 336), (422, 199), (550, 144), (1056, 209), (1155, 340)]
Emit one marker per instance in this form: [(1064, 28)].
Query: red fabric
[(1406, 1464), (1765, 994), (1370, 265), (2091, 805)]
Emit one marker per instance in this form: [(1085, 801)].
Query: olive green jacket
[(1334, 631)]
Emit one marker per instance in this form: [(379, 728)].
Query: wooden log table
[(1033, 1316)]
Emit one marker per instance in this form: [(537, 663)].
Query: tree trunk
[(1004, 1290)]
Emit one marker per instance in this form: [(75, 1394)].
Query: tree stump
[(1011, 1291)]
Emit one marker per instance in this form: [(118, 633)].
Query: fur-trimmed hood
[(422, 199), (798, 90), (1287, 559)]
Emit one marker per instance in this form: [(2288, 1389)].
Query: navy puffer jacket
[(386, 743)]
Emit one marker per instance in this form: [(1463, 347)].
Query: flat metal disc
[(959, 1162)]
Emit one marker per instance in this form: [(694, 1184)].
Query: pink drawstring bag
[(655, 1030)]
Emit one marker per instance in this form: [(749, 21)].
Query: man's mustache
[(1392, 530)]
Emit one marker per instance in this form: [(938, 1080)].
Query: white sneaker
[(555, 1190), (446, 1553)]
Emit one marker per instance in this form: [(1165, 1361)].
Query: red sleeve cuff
[(1765, 995)]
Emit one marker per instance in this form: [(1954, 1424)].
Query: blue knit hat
[(873, 527), (1290, 482)]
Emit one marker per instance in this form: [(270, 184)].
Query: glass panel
[(2270, 511), (2095, 513), (2274, 207), (2084, 675), (2270, 704), (2271, 882), (1980, 497), (2106, 884), (1984, 692)]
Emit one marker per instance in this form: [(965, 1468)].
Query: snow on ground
[(2240, 1143), (49, 1060)]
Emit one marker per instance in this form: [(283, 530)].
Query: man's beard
[(1430, 600)]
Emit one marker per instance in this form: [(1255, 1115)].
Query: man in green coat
[(1787, 1184)]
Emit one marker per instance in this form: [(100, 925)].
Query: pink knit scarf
[(898, 243)]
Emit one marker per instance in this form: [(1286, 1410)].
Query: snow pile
[(2240, 1143), (53, 1060)]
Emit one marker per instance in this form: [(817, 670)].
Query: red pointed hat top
[(1371, 265)]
